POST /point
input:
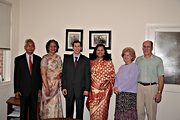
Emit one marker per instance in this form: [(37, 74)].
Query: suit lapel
[(71, 61), (34, 66), (26, 63), (79, 60), (34, 63)]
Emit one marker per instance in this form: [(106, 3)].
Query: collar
[(27, 55), (152, 56), (76, 56)]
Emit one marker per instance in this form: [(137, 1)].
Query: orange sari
[(102, 81)]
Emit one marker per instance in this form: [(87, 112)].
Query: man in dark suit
[(27, 81), (75, 80)]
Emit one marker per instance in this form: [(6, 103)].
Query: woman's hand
[(47, 91), (104, 85), (116, 91), (39, 93), (59, 76)]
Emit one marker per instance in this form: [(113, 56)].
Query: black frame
[(77, 34), (104, 37)]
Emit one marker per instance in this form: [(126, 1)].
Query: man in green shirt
[(150, 82)]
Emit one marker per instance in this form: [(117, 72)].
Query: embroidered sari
[(102, 80), (51, 106)]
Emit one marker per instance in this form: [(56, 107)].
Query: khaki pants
[(146, 102)]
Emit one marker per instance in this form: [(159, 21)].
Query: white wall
[(42, 20), (6, 89)]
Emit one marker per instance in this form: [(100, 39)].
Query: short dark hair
[(48, 44), (76, 41), (106, 55)]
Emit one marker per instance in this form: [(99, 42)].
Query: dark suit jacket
[(23, 81), (76, 79)]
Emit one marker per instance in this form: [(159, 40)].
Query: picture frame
[(100, 37), (169, 41), (71, 36), (166, 39)]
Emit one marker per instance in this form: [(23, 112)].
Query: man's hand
[(17, 95), (64, 92), (85, 93), (157, 97)]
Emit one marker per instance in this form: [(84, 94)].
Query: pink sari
[(102, 80)]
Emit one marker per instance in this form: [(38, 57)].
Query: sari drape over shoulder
[(102, 80)]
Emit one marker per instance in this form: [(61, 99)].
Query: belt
[(147, 84)]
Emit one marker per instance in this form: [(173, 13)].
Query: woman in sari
[(102, 81), (125, 87), (51, 70)]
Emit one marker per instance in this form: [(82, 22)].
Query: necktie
[(30, 65), (76, 60)]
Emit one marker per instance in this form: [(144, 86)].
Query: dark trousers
[(28, 104), (70, 106)]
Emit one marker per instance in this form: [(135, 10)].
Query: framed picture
[(100, 37), (166, 39), (166, 46), (71, 36)]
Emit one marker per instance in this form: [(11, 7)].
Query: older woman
[(102, 81), (51, 70), (125, 87)]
